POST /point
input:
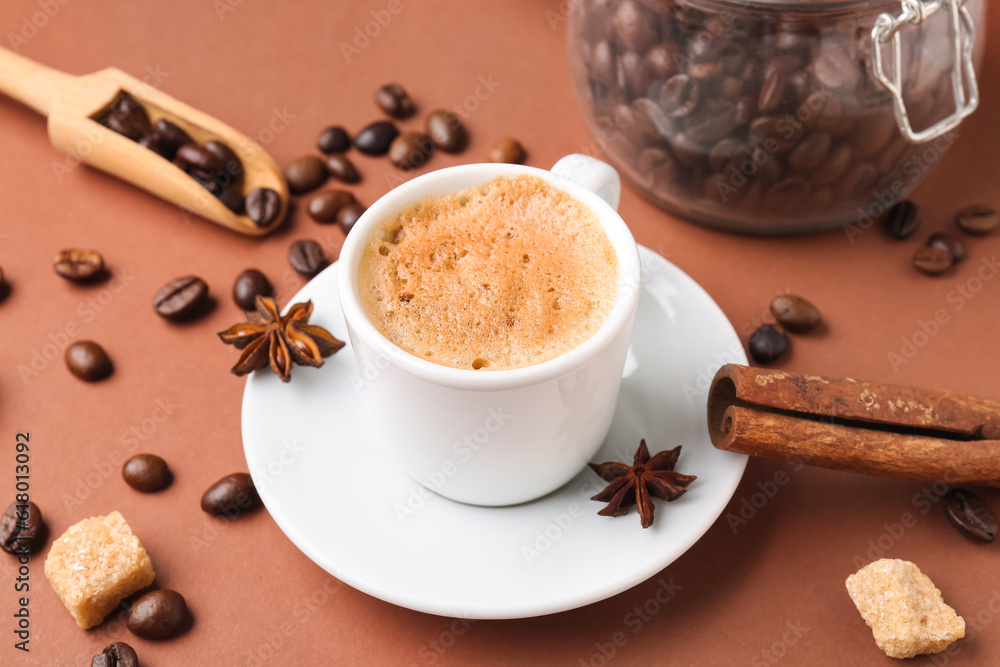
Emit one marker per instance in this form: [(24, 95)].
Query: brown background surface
[(742, 589)]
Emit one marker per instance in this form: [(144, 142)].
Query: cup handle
[(592, 174)]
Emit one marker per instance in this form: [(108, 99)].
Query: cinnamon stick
[(858, 426)]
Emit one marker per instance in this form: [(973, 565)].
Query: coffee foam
[(504, 275)]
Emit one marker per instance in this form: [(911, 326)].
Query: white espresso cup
[(495, 437)]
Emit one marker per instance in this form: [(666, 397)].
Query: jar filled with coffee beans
[(775, 116)]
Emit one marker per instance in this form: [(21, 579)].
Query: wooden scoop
[(72, 103)]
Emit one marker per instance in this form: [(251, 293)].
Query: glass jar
[(775, 116)]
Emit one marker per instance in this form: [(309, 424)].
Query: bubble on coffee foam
[(485, 278)]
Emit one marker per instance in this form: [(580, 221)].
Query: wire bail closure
[(915, 12)]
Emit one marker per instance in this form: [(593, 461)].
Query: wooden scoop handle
[(30, 83)]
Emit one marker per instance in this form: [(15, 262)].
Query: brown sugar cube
[(904, 609), (95, 564)]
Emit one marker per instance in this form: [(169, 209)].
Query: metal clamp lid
[(915, 11)]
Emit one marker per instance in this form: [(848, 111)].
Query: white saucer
[(334, 493)]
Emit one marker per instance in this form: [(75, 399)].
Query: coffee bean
[(263, 206), (662, 59), (333, 139), (970, 515), (79, 265), (232, 198), (724, 152), (857, 181), (507, 150), (232, 166), (902, 220), (948, 242), (714, 120), (147, 473), (933, 260), (348, 215), (632, 74), (977, 219), (307, 257), (446, 131), (150, 142), (393, 99), (88, 361), (248, 286), (160, 614), (410, 150), (634, 25), (306, 174), (767, 344), (786, 195), (181, 299), (118, 654), (603, 69), (772, 93), (231, 496), (679, 96), (376, 138), (834, 68), (833, 166), (342, 168), (171, 137), (795, 313), (199, 157), (22, 529), (323, 206), (127, 117), (811, 152)]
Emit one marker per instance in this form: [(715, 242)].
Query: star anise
[(270, 338), (639, 483)]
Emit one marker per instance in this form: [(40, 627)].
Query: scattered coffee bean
[(933, 260), (170, 137), (88, 361), (348, 215), (306, 174), (978, 219), (118, 654), (248, 286), (307, 257), (127, 117), (376, 138), (334, 139), (970, 515), (160, 614), (147, 473), (393, 99), (795, 313), (263, 206), (181, 298), (323, 206), (79, 265), (767, 344), (949, 242), (232, 496), (22, 529), (507, 150), (902, 220), (410, 150), (446, 131), (342, 168)]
